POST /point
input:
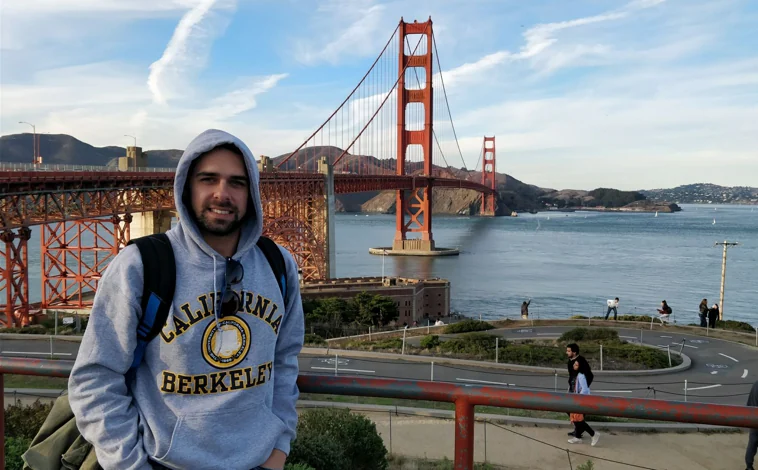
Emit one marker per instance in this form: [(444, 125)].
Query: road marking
[(744, 374), (344, 370), (728, 357), (35, 353), (611, 391), (686, 345), (632, 337), (485, 382), (703, 387), (548, 334), (714, 372), (665, 336)]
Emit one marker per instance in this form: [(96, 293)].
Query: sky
[(635, 94)]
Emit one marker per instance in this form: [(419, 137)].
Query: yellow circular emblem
[(228, 346)]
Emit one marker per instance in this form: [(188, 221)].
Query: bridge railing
[(465, 398), (10, 166)]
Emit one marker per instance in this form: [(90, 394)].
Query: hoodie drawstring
[(219, 336)]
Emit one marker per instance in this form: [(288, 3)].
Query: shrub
[(587, 334), (24, 421), (430, 341), (735, 325), (588, 465), (468, 325), (311, 338), (479, 345), (298, 466), (14, 449), (356, 436), (319, 451)]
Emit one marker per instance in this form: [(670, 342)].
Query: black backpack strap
[(276, 260), (157, 290)]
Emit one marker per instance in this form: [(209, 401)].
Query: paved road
[(721, 372)]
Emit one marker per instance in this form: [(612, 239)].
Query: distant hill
[(705, 193), (513, 195), (62, 149)]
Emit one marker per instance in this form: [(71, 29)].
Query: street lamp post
[(135, 139), (723, 275), (34, 140)]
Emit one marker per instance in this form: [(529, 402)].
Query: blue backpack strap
[(159, 273), (276, 261)]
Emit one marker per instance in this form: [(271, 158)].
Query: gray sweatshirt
[(200, 398)]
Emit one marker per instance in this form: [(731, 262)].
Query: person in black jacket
[(572, 352), (713, 316), (525, 309), (704, 313), (752, 443)]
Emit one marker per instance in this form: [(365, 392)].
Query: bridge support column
[(330, 257), (14, 280), (149, 223), (488, 177)]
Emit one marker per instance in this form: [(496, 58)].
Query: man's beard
[(218, 228)]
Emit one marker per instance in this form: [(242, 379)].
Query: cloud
[(48, 7), (240, 100), (187, 50), (359, 39)]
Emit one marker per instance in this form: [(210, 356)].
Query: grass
[(35, 381), (399, 462)]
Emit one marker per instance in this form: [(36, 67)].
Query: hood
[(252, 227)]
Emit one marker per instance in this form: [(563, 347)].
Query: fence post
[(668, 349), (556, 381), (336, 361), (485, 441), (404, 331), (464, 435), (497, 349), (390, 413), (56, 323), (601, 356), (369, 332), (640, 335), (432, 371), (2, 421), (51, 347), (682, 348), (685, 390)]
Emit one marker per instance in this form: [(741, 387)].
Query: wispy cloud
[(80, 6), (242, 99), (186, 50), (360, 38)]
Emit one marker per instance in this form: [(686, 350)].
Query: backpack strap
[(157, 290), (276, 260)]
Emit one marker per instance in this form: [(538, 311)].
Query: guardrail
[(8, 166), (465, 398)]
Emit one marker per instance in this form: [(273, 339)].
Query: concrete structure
[(134, 159), (143, 223), (417, 299)]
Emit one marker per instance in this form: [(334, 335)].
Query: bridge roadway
[(721, 372)]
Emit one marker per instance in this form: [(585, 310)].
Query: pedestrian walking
[(582, 388)]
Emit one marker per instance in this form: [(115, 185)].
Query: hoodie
[(210, 393)]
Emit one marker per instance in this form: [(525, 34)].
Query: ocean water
[(567, 263), (571, 263)]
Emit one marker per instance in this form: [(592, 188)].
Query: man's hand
[(275, 460)]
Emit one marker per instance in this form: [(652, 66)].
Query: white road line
[(611, 391), (35, 353), (665, 336), (714, 372), (686, 345), (728, 357), (548, 334), (632, 337), (485, 382), (744, 374), (344, 370), (703, 388)]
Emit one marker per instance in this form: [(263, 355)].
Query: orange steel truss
[(416, 205), (14, 279), (488, 176)]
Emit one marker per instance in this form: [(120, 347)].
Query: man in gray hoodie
[(752, 443), (217, 388)]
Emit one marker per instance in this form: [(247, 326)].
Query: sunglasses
[(230, 300)]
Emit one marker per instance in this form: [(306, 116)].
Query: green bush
[(298, 466), (311, 338), (588, 465), (319, 451), (356, 436), (735, 326), (478, 345), (27, 330), (430, 341), (24, 421), (14, 449), (589, 334), (467, 325)]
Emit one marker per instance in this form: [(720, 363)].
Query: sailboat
[(714, 222), (656, 213)]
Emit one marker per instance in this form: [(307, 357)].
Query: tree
[(375, 310)]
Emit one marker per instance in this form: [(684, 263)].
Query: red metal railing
[(465, 398)]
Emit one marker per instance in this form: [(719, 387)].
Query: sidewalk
[(431, 438)]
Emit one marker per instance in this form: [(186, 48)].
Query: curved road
[(721, 372)]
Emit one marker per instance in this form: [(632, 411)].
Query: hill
[(704, 193), (513, 195)]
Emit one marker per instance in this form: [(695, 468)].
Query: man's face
[(569, 353), (219, 188)]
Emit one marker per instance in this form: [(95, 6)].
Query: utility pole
[(723, 275), (135, 139), (34, 141)]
